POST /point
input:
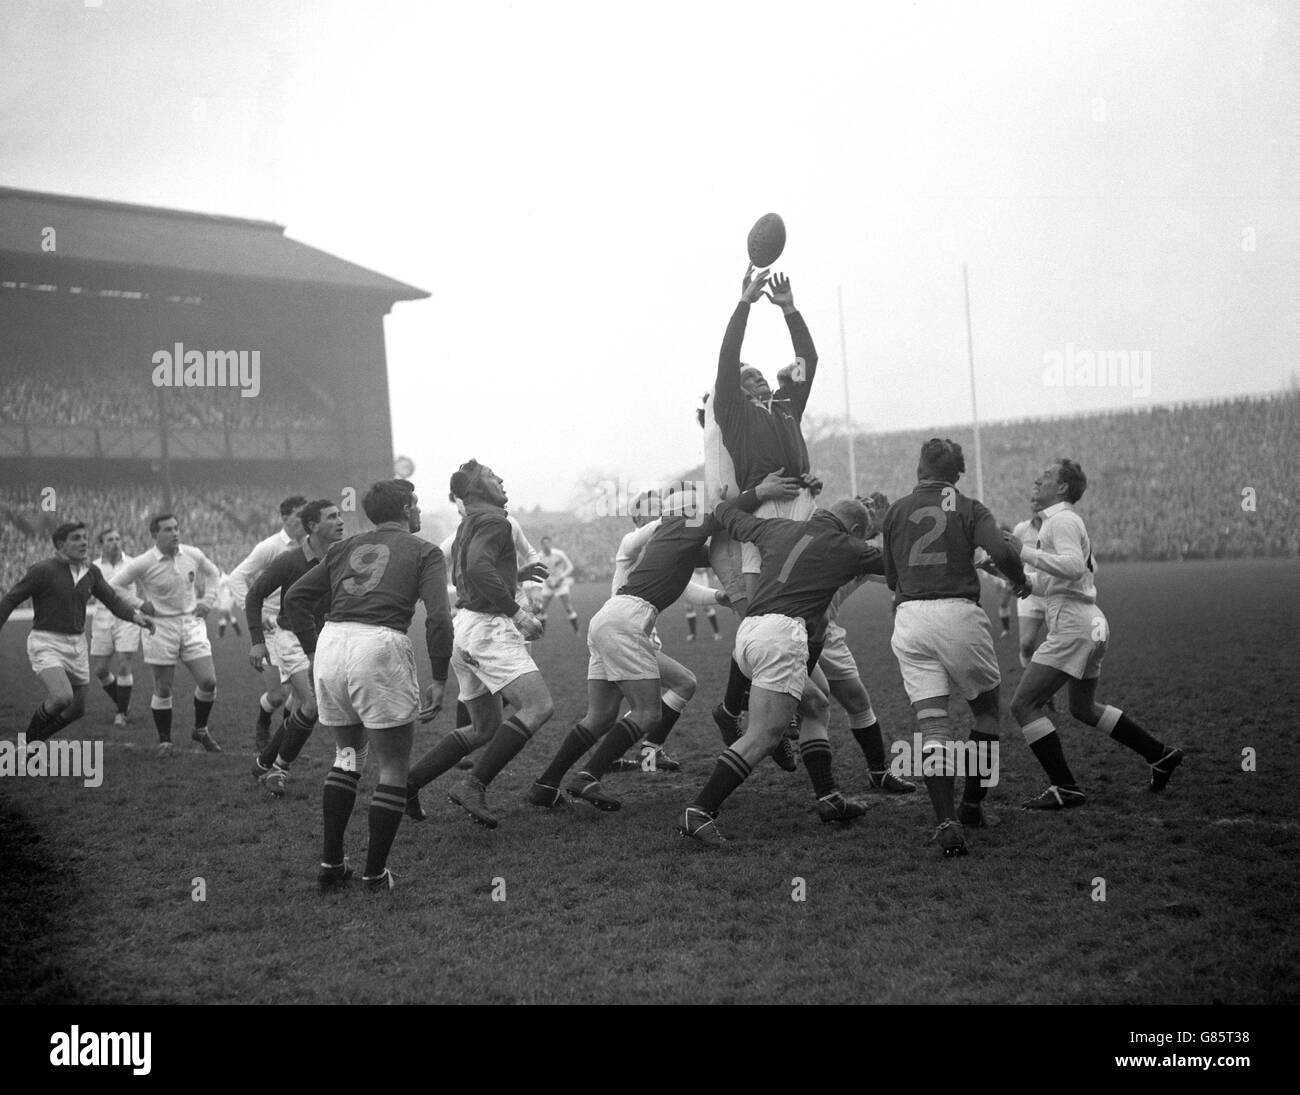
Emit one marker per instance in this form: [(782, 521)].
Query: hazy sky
[(574, 183)]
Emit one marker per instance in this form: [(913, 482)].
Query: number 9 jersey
[(930, 541)]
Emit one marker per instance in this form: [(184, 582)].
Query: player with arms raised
[(942, 638), (366, 684), (60, 588), (1072, 651)]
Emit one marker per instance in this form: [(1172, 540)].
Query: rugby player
[(226, 615), (60, 588), (242, 577), (624, 661), (702, 578), (559, 583), (366, 684), (1031, 609), (1072, 651), (942, 638), (323, 525), (490, 656), (170, 575), (112, 641), (760, 431), (803, 564)]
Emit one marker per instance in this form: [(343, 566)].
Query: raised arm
[(795, 381), (726, 390)]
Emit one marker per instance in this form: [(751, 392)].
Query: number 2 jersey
[(930, 540), (375, 578)]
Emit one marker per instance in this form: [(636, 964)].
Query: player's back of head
[(942, 459), (387, 500), (852, 515), (1071, 474)]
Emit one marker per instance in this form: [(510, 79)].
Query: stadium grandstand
[(95, 296), (1164, 482)]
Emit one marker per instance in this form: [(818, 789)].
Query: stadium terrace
[(216, 369)]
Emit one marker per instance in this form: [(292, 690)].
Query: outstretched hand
[(752, 287), (781, 294)]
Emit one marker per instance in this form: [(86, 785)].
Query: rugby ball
[(766, 239)]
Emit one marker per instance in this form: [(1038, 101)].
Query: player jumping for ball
[(60, 588), (1072, 651)]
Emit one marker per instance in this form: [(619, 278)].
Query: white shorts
[(621, 641), (177, 639), (944, 647), (1076, 639), (108, 633), (285, 652), (836, 660), (365, 674), (561, 589), (489, 653), (772, 651), (1031, 608), (799, 508), (53, 650)]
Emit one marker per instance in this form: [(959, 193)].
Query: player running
[(625, 661), (942, 638), (559, 583), (804, 563), (490, 656), (323, 524), (366, 684), (1072, 652), (242, 577), (112, 641), (60, 588), (170, 575)]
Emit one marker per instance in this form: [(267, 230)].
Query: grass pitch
[(98, 884)]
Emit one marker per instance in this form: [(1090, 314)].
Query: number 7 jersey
[(930, 540)]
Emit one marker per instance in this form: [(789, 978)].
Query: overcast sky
[(574, 182)]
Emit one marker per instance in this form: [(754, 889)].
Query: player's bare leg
[(1162, 758), (852, 695), (939, 771), (338, 797), (64, 703), (769, 717), (1028, 707), (531, 700), (272, 765), (125, 683), (604, 698), (815, 748), (205, 692), (160, 704)]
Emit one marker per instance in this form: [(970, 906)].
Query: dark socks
[(973, 791), (667, 720), (111, 689), (511, 736), (386, 807), (737, 695), (817, 760), (622, 736), (337, 799), (1129, 733), (730, 771), (267, 756), (441, 758), (575, 745), (872, 743), (162, 720), (1052, 757), (296, 730)]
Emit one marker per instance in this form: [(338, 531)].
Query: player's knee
[(686, 685), (102, 673), (814, 705), (58, 703), (205, 688), (308, 709), (163, 691), (1021, 709), (75, 709)]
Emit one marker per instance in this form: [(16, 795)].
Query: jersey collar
[(1052, 511)]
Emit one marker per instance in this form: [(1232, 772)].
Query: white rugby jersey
[(108, 570), (1063, 558), (558, 564), (170, 582), (251, 568)]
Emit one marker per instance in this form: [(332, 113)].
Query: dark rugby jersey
[(57, 604), (484, 561), (671, 556), (375, 578), (930, 540), (285, 569), (759, 440), (804, 562)]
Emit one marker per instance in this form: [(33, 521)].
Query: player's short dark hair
[(293, 502), (311, 513), (100, 538), (155, 522), (1069, 473), (941, 458), (65, 530), (387, 500), (463, 476)]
